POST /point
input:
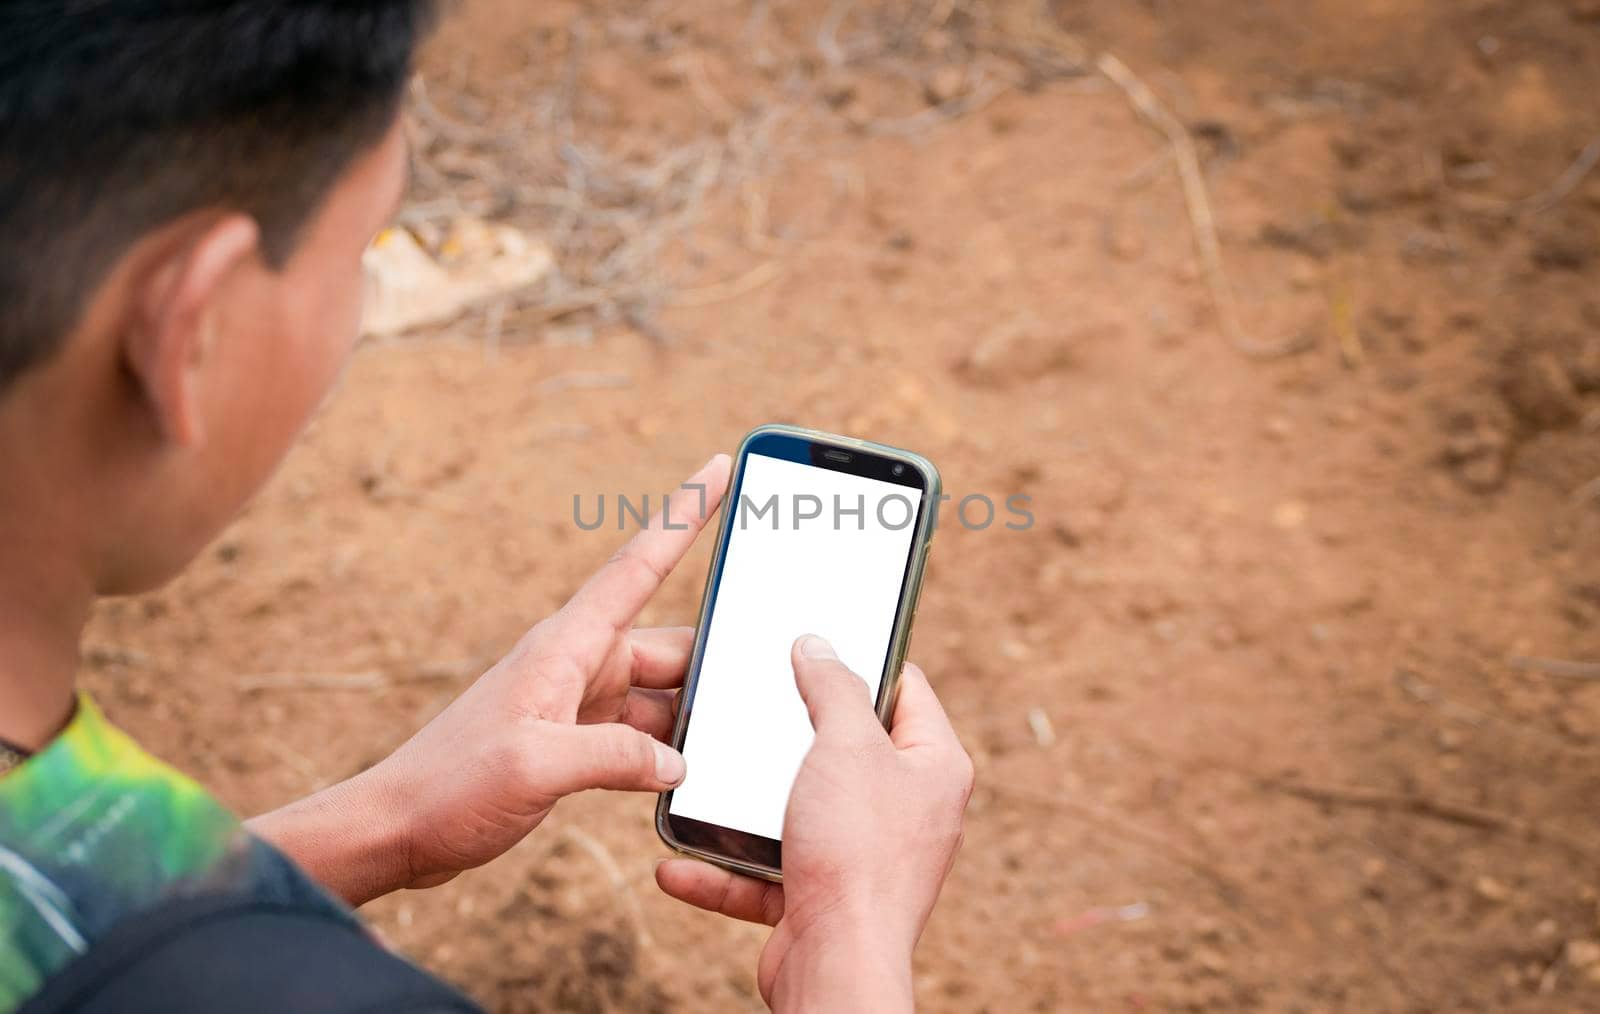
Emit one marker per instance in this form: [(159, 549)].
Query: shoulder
[(241, 955)]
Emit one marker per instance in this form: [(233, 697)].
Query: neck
[(43, 609)]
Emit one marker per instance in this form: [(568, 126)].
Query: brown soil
[(1272, 610)]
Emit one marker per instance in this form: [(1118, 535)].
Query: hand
[(872, 829), (580, 702)]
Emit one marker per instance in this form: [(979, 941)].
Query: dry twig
[(1464, 814), (984, 92), (1534, 204), (586, 380), (366, 679), (1198, 203), (828, 33), (1559, 667), (718, 292), (370, 679), (1231, 890), (620, 885), (1566, 182)]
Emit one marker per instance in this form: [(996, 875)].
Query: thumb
[(836, 698), (608, 756)]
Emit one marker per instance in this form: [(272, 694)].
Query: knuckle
[(953, 768), (957, 778), (557, 679), (724, 894), (620, 750), (630, 558), (506, 757), (966, 773), (771, 906)]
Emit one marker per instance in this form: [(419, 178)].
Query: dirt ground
[(1281, 705)]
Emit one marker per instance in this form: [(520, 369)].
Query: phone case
[(900, 638)]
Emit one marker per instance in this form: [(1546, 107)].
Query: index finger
[(617, 591), (919, 718)]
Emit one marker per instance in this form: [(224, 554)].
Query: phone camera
[(899, 470)]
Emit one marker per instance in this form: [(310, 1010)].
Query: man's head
[(186, 188)]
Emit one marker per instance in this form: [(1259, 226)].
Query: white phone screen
[(838, 574)]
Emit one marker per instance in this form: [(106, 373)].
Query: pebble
[(1017, 351), (1290, 514), (1583, 953), (1039, 723), (1541, 392), (1211, 960), (838, 92), (1490, 889), (947, 82), (1125, 244), (1484, 474)]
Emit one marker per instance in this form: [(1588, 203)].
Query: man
[(186, 189)]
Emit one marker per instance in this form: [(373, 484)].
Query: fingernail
[(812, 646), (670, 767)]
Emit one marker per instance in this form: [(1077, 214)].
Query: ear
[(176, 312)]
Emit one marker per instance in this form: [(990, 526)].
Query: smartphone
[(820, 534)]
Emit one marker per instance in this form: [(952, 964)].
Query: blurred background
[(1285, 317)]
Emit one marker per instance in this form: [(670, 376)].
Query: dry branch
[(1463, 814), (366, 679), (718, 292), (1566, 182), (1198, 202), (1229, 889), (620, 885), (1560, 667), (1544, 200), (370, 679)]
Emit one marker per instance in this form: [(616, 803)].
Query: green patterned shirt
[(93, 829)]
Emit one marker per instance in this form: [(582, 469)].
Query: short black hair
[(118, 116)]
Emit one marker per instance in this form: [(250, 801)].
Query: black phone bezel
[(744, 846)]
